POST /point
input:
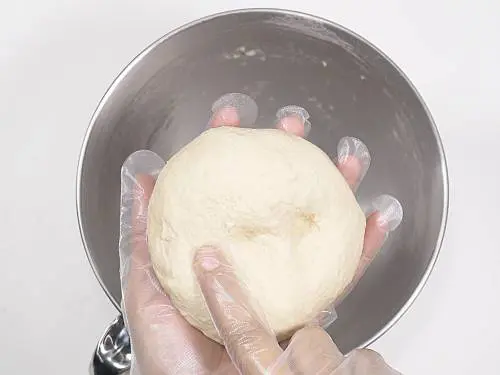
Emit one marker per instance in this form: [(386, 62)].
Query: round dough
[(279, 209)]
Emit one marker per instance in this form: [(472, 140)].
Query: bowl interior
[(162, 101)]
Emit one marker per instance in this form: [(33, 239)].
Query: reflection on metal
[(112, 355)]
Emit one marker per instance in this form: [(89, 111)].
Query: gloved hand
[(164, 343), (251, 344)]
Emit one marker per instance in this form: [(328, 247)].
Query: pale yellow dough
[(277, 206)]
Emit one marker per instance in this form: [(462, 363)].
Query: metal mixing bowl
[(162, 100)]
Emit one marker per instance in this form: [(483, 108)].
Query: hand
[(163, 342), (252, 345)]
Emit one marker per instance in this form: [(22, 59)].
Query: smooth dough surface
[(279, 209)]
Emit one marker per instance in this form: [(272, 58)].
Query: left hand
[(162, 341)]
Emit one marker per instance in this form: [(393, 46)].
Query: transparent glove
[(164, 343), (251, 344)]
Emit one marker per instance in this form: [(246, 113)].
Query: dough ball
[(279, 209)]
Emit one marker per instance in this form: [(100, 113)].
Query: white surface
[(58, 57)]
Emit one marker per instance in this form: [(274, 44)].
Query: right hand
[(252, 345)]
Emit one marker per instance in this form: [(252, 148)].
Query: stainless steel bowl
[(162, 100)]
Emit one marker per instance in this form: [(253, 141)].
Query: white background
[(57, 57)]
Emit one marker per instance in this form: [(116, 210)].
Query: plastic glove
[(162, 341), (250, 342)]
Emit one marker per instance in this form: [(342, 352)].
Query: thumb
[(250, 343)]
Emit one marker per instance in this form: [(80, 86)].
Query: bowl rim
[(285, 12)]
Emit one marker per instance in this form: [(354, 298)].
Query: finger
[(325, 317), (233, 109), (140, 287), (138, 175), (137, 180), (293, 119), (142, 193), (311, 351), (353, 160), (375, 235), (384, 216), (227, 116), (250, 343)]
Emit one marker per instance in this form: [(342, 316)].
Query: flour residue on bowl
[(318, 30), (243, 53)]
